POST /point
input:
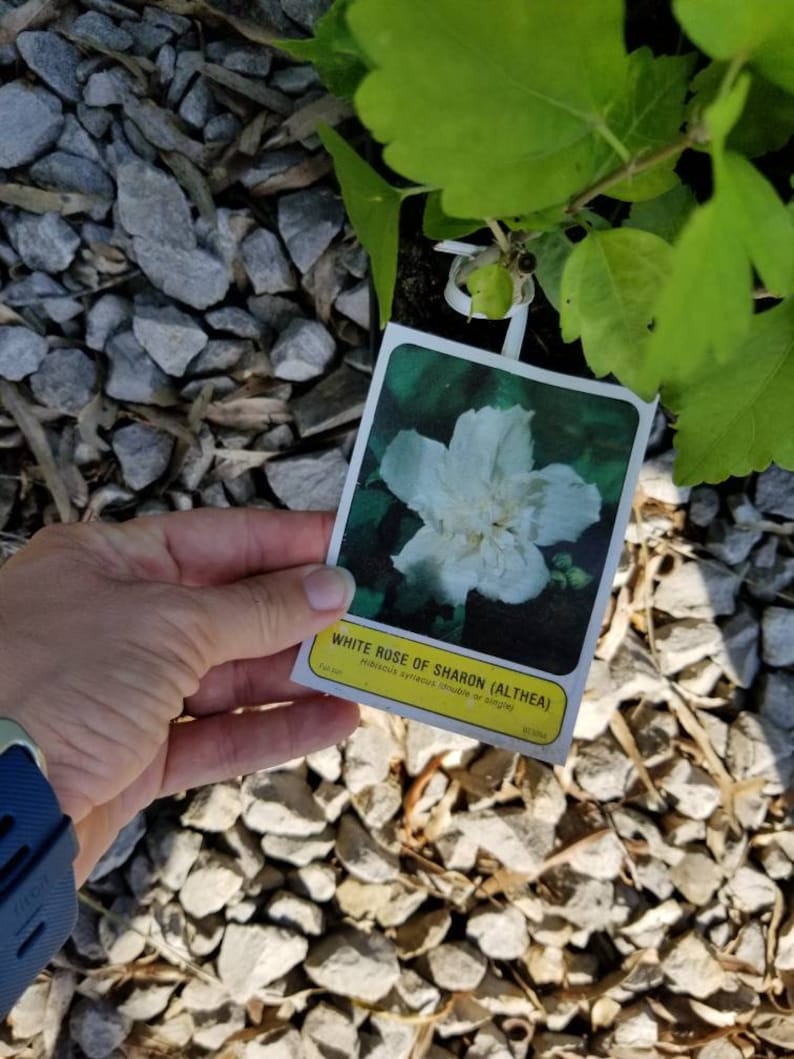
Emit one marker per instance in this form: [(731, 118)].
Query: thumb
[(260, 616)]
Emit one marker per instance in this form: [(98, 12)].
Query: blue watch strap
[(38, 899)]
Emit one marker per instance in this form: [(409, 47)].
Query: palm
[(164, 620)]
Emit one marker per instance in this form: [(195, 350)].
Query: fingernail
[(329, 588)]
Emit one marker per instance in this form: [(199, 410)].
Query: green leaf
[(704, 309), (436, 224), (551, 250), (650, 116), (507, 114), (373, 206), (737, 420), (725, 111), (609, 288), (333, 51), (762, 32), (767, 120), (764, 224), (666, 215), (491, 289)]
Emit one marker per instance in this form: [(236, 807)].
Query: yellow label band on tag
[(441, 681)]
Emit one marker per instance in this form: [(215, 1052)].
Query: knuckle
[(268, 607)]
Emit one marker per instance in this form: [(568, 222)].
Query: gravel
[(21, 352), (204, 309), (171, 337), (53, 60), (66, 380), (142, 452), (31, 120), (44, 242)]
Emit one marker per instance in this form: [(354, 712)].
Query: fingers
[(227, 745), (247, 682), (261, 616), (212, 547)]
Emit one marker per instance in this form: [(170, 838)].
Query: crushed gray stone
[(44, 241), (171, 337), (66, 380), (308, 221), (53, 60), (21, 352), (266, 263), (143, 453), (194, 277), (303, 351), (151, 204), (31, 120)]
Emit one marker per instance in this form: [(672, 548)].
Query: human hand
[(124, 649)]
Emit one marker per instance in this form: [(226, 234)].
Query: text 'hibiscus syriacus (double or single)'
[(486, 512)]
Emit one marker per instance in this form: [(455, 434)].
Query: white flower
[(487, 513)]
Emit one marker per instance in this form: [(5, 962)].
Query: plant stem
[(419, 189), (634, 165), (499, 235), (608, 136)]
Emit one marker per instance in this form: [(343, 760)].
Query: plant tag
[(483, 518)]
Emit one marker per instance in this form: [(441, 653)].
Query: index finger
[(213, 547)]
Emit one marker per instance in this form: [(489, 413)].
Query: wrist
[(38, 900)]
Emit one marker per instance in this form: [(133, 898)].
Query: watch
[(38, 898)]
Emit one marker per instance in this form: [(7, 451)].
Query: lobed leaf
[(704, 309), (762, 32), (665, 215), (437, 225), (767, 119), (333, 51), (765, 226), (551, 250), (373, 206), (609, 288), (734, 421), (507, 114), (649, 116)]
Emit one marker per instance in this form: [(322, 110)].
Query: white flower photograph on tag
[(482, 520)]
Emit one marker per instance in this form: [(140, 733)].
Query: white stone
[(253, 956), (214, 808), (698, 590), (422, 933), (362, 856), (280, 803), (368, 754), (694, 792), (210, 888), (697, 877), (354, 964), (423, 742), (690, 967), (500, 934), (456, 966), (315, 881), (288, 910)]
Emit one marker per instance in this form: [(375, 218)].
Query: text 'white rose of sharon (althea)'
[(486, 512)]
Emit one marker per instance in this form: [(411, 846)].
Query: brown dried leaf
[(248, 413), (249, 88), (140, 67), (327, 110), (302, 175), (27, 422), (31, 14), (234, 462), (194, 182), (37, 200)]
